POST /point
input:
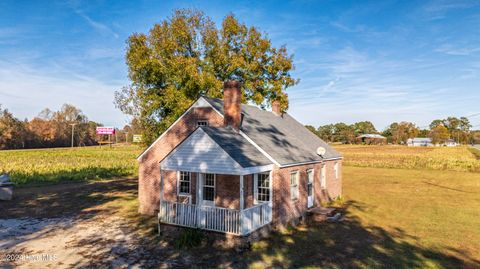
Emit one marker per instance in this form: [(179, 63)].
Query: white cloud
[(352, 85), (25, 91), (454, 50), (100, 27), (437, 9)]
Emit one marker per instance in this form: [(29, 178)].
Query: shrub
[(189, 238), (337, 201)]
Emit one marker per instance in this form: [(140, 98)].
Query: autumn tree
[(13, 133), (439, 134), (187, 55), (398, 133), (435, 123), (458, 128)]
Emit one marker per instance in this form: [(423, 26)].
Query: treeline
[(439, 131), (54, 129)]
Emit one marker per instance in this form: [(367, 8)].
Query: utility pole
[(73, 128), (126, 137)]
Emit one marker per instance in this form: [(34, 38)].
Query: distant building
[(372, 139), (419, 142), (450, 143), (427, 142)]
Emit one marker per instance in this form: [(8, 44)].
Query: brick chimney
[(232, 104), (276, 108)]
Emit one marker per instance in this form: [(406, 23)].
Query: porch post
[(242, 230), (241, 192)]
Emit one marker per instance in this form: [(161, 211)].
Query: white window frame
[(202, 123), (214, 186), (189, 183), (323, 175), (295, 188), (255, 188), (335, 169), (311, 170)]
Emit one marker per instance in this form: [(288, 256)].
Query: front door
[(310, 188), (207, 187)]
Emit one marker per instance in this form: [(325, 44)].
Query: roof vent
[(321, 151)]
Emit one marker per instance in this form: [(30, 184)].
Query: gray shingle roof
[(282, 137), (242, 151)]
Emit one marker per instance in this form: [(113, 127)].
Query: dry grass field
[(430, 158)]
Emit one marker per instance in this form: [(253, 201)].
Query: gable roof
[(216, 150), (286, 140), (236, 146)]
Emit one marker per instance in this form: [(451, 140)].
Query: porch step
[(326, 211), (319, 214)]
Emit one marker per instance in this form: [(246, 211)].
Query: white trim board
[(310, 162)]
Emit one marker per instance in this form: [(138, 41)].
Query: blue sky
[(382, 61)]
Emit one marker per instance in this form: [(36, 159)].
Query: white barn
[(419, 142)]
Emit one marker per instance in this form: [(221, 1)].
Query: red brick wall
[(284, 209), (149, 166), (248, 191), (227, 189), (334, 186)]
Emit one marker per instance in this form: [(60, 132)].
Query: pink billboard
[(105, 130)]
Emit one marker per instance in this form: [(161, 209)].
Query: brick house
[(234, 168)]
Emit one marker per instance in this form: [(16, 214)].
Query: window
[(294, 185), (262, 187), (209, 187), (335, 170), (202, 123), (323, 177), (184, 182), (310, 182)]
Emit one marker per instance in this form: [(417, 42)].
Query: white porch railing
[(215, 218)]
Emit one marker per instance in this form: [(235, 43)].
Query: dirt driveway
[(84, 225)]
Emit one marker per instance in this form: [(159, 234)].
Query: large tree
[(187, 55), (327, 132), (364, 127), (398, 133), (439, 134), (13, 133), (344, 133), (458, 128)]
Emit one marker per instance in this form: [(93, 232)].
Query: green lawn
[(395, 218), (36, 166)]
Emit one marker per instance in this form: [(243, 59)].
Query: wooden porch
[(232, 221), (209, 179)]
